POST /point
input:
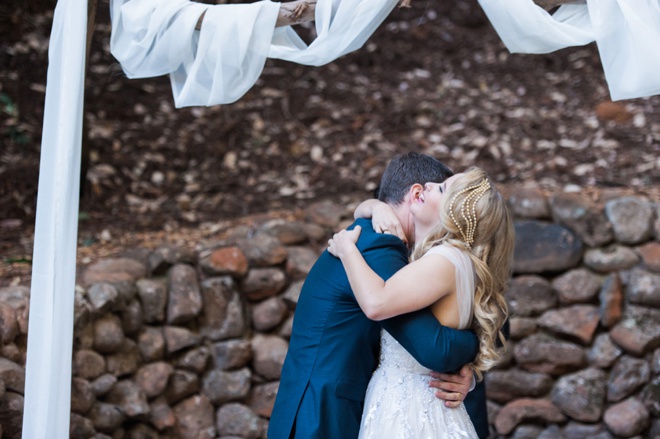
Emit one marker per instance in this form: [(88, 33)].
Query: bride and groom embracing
[(441, 312)]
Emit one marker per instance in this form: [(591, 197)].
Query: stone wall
[(189, 343)]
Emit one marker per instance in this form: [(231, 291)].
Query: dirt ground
[(434, 78)]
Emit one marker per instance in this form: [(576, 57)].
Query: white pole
[(50, 333)]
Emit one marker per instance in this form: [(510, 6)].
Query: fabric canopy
[(627, 33), (222, 61)]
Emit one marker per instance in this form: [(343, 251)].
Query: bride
[(459, 270)]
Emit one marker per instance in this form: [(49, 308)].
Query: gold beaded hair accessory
[(469, 209)]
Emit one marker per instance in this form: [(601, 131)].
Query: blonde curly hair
[(474, 217)]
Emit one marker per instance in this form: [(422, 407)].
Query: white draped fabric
[(221, 62), (627, 33), (48, 370)]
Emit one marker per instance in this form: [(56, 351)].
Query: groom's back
[(333, 349)]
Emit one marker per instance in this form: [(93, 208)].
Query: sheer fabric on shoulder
[(627, 33), (219, 63), (399, 403)]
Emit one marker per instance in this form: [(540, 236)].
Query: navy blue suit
[(334, 347)]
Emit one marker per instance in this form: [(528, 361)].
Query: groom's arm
[(433, 345)]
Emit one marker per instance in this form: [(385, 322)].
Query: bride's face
[(427, 209)]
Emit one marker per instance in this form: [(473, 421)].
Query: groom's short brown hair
[(407, 169)]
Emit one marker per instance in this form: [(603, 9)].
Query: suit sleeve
[(434, 346)]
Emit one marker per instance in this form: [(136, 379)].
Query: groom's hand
[(452, 388)]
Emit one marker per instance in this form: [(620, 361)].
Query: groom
[(333, 348)]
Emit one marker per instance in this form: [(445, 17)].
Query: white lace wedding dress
[(399, 403)]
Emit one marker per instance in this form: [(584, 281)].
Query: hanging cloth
[(219, 63), (627, 33)]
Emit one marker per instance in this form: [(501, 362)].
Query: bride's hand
[(384, 220), (343, 241)]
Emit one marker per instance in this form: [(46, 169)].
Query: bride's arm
[(417, 285), (383, 217)]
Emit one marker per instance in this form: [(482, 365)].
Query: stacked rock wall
[(189, 343)]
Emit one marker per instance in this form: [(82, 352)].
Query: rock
[(521, 327), (194, 360), (8, 324), (130, 399), (576, 286), (627, 418), (223, 315), (611, 301), (574, 430), (88, 364), (221, 387), (631, 218), (11, 415), (627, 375), (103, 297), (528, 203), (153, 296), (655, 362), (325, 213), (261, 283), (638, 332), (292, 293), (541, 353), (161, 414), (644, 288), (612, 258), (528, 432), (182, 385), (166, 256), (551, 432), (231, 354), (650, 253), (82, 396), (151, 343), (604, 352), (286, 328), (529, 296), (106, 417), (526, 409), (579, 214), (542, 247), (581, 395), (113, 271), (152, 378), (13, 375), (108, 334), (184, 296), (131, 318), (262, 398), (229, 261), (141, 431), (299, 261), (268, 355), (17, 296), (80, 427), (195, 418), (505, 385), (262, 250), (125, 361), (103, 384), (268, 314), (238, 420), (578, 322), (650, 396), (287, 232), (177, 338)]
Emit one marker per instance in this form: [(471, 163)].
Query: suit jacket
[(334, 347)]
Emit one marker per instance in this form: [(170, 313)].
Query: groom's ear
[(416, 190)]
